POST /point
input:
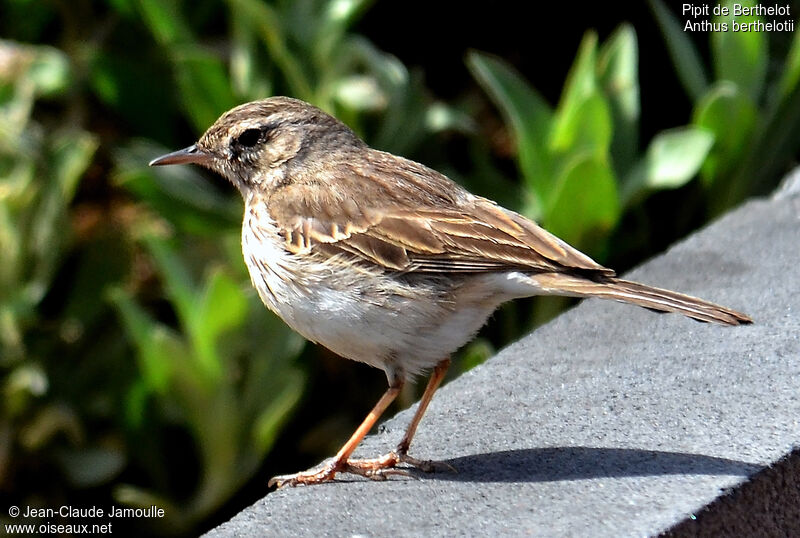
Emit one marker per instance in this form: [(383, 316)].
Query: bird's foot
[(387, 465), (379, 468), (307, 478)]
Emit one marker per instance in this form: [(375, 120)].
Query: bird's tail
[(656, 299)]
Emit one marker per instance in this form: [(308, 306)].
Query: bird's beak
[(190, 155)]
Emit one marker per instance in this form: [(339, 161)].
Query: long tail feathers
[(656, 299)]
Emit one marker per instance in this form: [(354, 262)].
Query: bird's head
[(253, 144)]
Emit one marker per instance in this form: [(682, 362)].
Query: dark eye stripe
[(249, 138)]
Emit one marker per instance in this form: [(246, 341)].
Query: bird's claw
[(326, 474), (378, 469)]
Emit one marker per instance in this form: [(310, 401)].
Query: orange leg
[(380, 468), (377, 468), (433, 383), (339, 462)]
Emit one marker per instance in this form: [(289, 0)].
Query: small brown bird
[(383, 260)]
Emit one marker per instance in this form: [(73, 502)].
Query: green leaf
[(741, 57), (49, 70), (684, 54), (221, 307), (250, 75), (582, 79), (442, 117), (585, 205), (672, 159), (181, 194), (791, 70), (361, 93), (581, 85), (731, 116), (72, 153), (618, 75), (135, 404), (476, 353), (269, 334), (205, 89), (337, 17), (675, 156), (179, 284), (524, 110), (268, 423), (584, 126), (154, 362), (71, 157), (165, 21), (268, 23), (402, 119)]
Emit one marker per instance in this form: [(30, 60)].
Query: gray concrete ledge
[(610, 420), (766, 505)]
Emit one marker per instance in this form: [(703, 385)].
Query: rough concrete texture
[(610, 420), (767, 505)]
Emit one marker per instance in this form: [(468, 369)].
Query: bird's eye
[(249, 138)]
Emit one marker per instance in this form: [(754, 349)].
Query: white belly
[(366, 316)]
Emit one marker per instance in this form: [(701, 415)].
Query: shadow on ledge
[(766, 505), (576, 463)]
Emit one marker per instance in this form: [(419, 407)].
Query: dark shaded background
[(432, 38)]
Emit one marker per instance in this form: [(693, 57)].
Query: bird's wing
[(475, 236)]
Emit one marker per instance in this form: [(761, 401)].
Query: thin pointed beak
[(190, 155)]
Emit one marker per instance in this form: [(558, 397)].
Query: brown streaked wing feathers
[(437, 241), (459, 233)]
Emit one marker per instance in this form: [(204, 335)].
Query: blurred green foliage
[(41, 168), (749, 101), (225, 373), (136, 362), (202, 373), (581, 160)]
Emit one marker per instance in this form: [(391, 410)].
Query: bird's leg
[(340, 461), (380, 468), (376, 468), (433, 383)]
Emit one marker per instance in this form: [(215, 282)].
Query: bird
[(385, 261)]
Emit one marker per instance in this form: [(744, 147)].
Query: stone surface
[(610, 420)]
